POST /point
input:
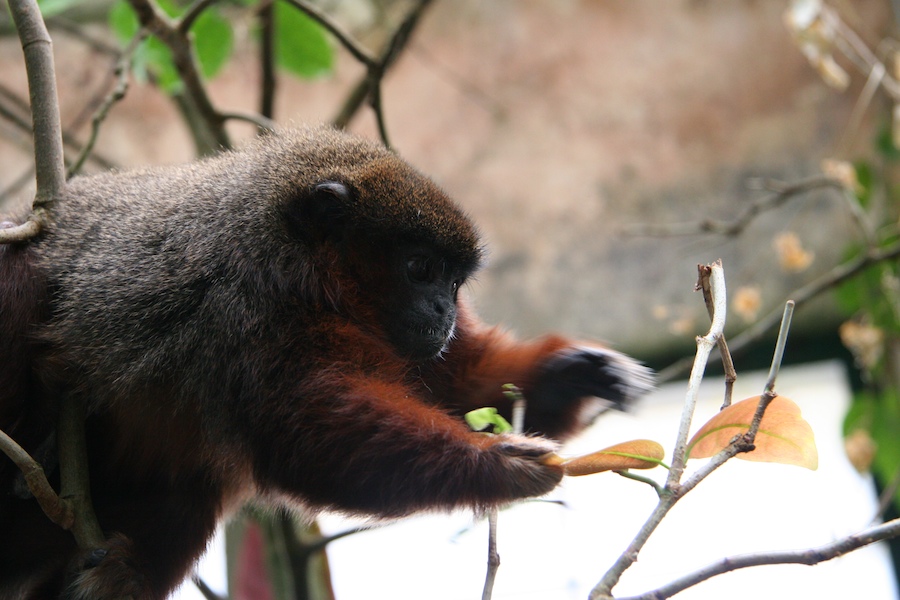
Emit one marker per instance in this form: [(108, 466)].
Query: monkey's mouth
[(423, 343)]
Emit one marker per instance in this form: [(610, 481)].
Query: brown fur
[(233, 325)]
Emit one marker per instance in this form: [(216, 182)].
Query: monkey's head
[(406, 246)]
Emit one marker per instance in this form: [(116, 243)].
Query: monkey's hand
[(569, 383), (106, 573), (518, 470)]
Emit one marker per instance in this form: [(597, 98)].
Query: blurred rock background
[(557, 125)]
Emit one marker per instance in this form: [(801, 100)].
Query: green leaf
[(123, 22), (213, 42), (301, 46), (483, 418)]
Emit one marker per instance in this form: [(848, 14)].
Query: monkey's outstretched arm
[(567, 383), (368, 446)]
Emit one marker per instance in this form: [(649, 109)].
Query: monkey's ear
[(323, 212)]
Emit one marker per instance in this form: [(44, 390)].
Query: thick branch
[(48, 147), (73, 468)]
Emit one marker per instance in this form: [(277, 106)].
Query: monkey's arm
[(561, 379), (367, 445)]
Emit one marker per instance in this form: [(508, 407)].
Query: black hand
[(576, 373)]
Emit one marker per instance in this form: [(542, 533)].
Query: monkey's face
[(420, 311)]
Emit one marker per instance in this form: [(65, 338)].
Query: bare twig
[(781, 193), (123, 68), (192, 13), (17, 112), (53, 506), (204, 589), (262, 123), (716, 276), (266, 16), (370, 85), (800, 296), (812, 556), (674, 488), (672, 492), (493, 557), (358, 51), (724, 352), (171, 34), (518, 425)]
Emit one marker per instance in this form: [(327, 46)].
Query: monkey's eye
[(418, 269), (454, 287)]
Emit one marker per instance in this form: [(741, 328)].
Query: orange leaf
[(636, 454), (783, 437)]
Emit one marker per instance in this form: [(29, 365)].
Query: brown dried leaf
[(783, 437), (636, 454)]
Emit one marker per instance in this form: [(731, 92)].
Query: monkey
[(284, 322)]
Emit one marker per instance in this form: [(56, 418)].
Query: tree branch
[(811, 556), (73, 467), (370, 85), (358, 51), (58, 511), (266, 17), (172, 35), (713, 277), (48, 148), (781, 193), (123, 67)]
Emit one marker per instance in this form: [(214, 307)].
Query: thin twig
[(264, 124), (634, 476), (187, 19), (811, 556), (493, 556), (705, 344), (22, 122), (886, 498), (780, 344), (266, 17), (370, 84), (123, 68), (518, 424), (674, 489), (724, 352), (781, 193), (358, 51), (800, 296), (204, 589), (58, 511)]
